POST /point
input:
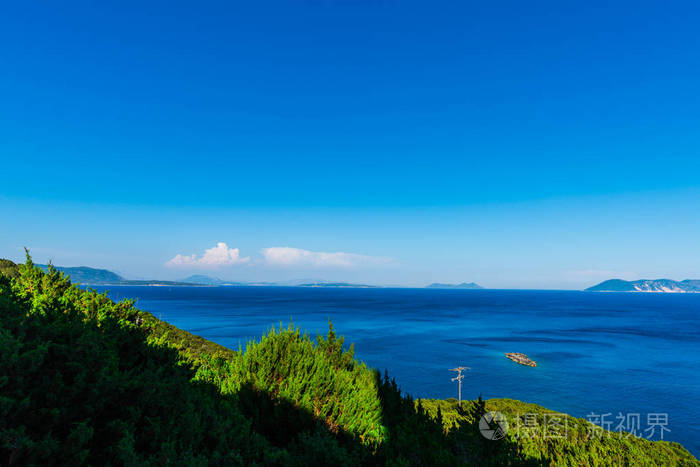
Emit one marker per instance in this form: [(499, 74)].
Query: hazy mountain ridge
[(647, 285), (84, 274), (201, 279), (209, 280), (463, 285), (94, 276), (336, 284)]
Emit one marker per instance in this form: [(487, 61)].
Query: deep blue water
[(597, 353)]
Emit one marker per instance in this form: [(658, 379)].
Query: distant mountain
[(92, 276), (308, 283), (463, 285), (153, 282), (86, 275), (299, 282), (645, 285), (202, 279), (335, 284)]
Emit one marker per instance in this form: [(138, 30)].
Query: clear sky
[(515, 144)]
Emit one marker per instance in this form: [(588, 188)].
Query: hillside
[(85, 380), (8, 268), (645, 285), (544, 435), (86, 275), (92, 276)]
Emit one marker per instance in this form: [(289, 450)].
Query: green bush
[(8, 268)]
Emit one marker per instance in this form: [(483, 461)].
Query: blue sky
[(516, 145)]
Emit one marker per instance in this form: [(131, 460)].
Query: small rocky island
[(521, 358)]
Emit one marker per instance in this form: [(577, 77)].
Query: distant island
[(201, 279), (646, 285), (208, 280), (93, 276), (463, 285), (336, 284)]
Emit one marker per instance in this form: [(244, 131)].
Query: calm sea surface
[(597, 353)]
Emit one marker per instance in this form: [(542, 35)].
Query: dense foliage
[(8, 268), (530, 429), (85, 380)]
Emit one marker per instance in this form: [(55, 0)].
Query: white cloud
[(287, 256), (220, 255)]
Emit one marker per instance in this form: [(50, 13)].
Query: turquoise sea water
[(597, 353)]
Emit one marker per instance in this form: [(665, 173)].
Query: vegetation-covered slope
[(569, 441), (92, 276), (86, 275), (84, 380), (8, 268)]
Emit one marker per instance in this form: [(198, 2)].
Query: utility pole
[(459, 378)]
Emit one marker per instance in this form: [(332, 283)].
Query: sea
[(628, 361)]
